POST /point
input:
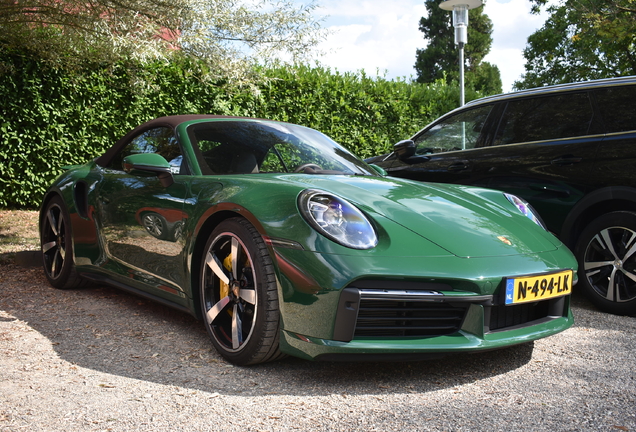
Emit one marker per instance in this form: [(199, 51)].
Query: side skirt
[(108, 281)]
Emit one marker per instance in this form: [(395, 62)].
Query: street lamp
[(460, 10)]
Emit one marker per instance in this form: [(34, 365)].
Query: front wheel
[(239, 297), (606, 251)]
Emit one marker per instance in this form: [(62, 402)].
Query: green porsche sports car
[(284, 243)]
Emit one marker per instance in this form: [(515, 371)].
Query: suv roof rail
[(558, 88)]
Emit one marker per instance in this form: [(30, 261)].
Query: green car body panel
[(458, 243)]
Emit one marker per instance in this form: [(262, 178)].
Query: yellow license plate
[(535, 288)]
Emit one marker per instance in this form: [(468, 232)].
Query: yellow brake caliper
[(225, 288)]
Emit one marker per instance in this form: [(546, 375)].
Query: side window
[(159, 140), (547, 118), (459, 132), (617, 105)]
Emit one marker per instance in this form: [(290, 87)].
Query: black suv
[(569, 150)]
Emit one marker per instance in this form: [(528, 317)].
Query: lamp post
[(460, 10)]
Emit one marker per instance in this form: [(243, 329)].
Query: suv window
[(615, 104), (547, 118), (159, 140), (458, 132)]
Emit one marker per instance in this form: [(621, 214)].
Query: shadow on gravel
[(110, 331)]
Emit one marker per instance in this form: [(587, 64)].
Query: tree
[(439, 60), (226, 33), (581, 40)]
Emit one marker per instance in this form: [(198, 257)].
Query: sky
[(381, 37)]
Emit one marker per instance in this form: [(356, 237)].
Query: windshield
[(252, 147)]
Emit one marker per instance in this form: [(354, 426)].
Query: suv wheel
[(606, 251)]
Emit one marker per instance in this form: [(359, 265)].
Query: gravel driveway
[(101, 360)]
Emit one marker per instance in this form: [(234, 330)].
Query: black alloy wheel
[(239, 297), (606, 251), (57, 246)]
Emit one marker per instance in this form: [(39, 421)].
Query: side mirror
[(149, 163), (379, 169), (404, 149)]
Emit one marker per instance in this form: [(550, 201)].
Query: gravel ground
[(101, 360)]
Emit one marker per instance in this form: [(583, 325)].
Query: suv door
[(541, 148), (445, 149), (544, 151), (616, 157)]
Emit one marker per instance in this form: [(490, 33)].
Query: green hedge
[(52, 117), (366, 115)]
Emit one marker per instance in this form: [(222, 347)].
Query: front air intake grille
[(504, 316), (408, 318)]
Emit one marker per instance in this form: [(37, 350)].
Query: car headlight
[(337, 219), (526, 209)]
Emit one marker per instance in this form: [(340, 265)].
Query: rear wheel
[(57, 246), (239, 297), (606, 251)]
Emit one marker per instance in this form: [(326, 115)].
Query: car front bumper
[(473, 334)]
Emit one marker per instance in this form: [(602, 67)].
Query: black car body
[(569, 150)]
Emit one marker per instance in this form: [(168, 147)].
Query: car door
[(142, 220)]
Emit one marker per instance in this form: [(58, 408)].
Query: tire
[(239, 297), (56, 242), (606, 251)]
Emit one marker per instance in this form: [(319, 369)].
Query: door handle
[(566, 160), (550, 189), (458, 166)]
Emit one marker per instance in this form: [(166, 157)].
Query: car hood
[(465, 221)]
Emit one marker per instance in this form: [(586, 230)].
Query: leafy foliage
[(52, 117), (581, 40), (229, 34), (439, 60)]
